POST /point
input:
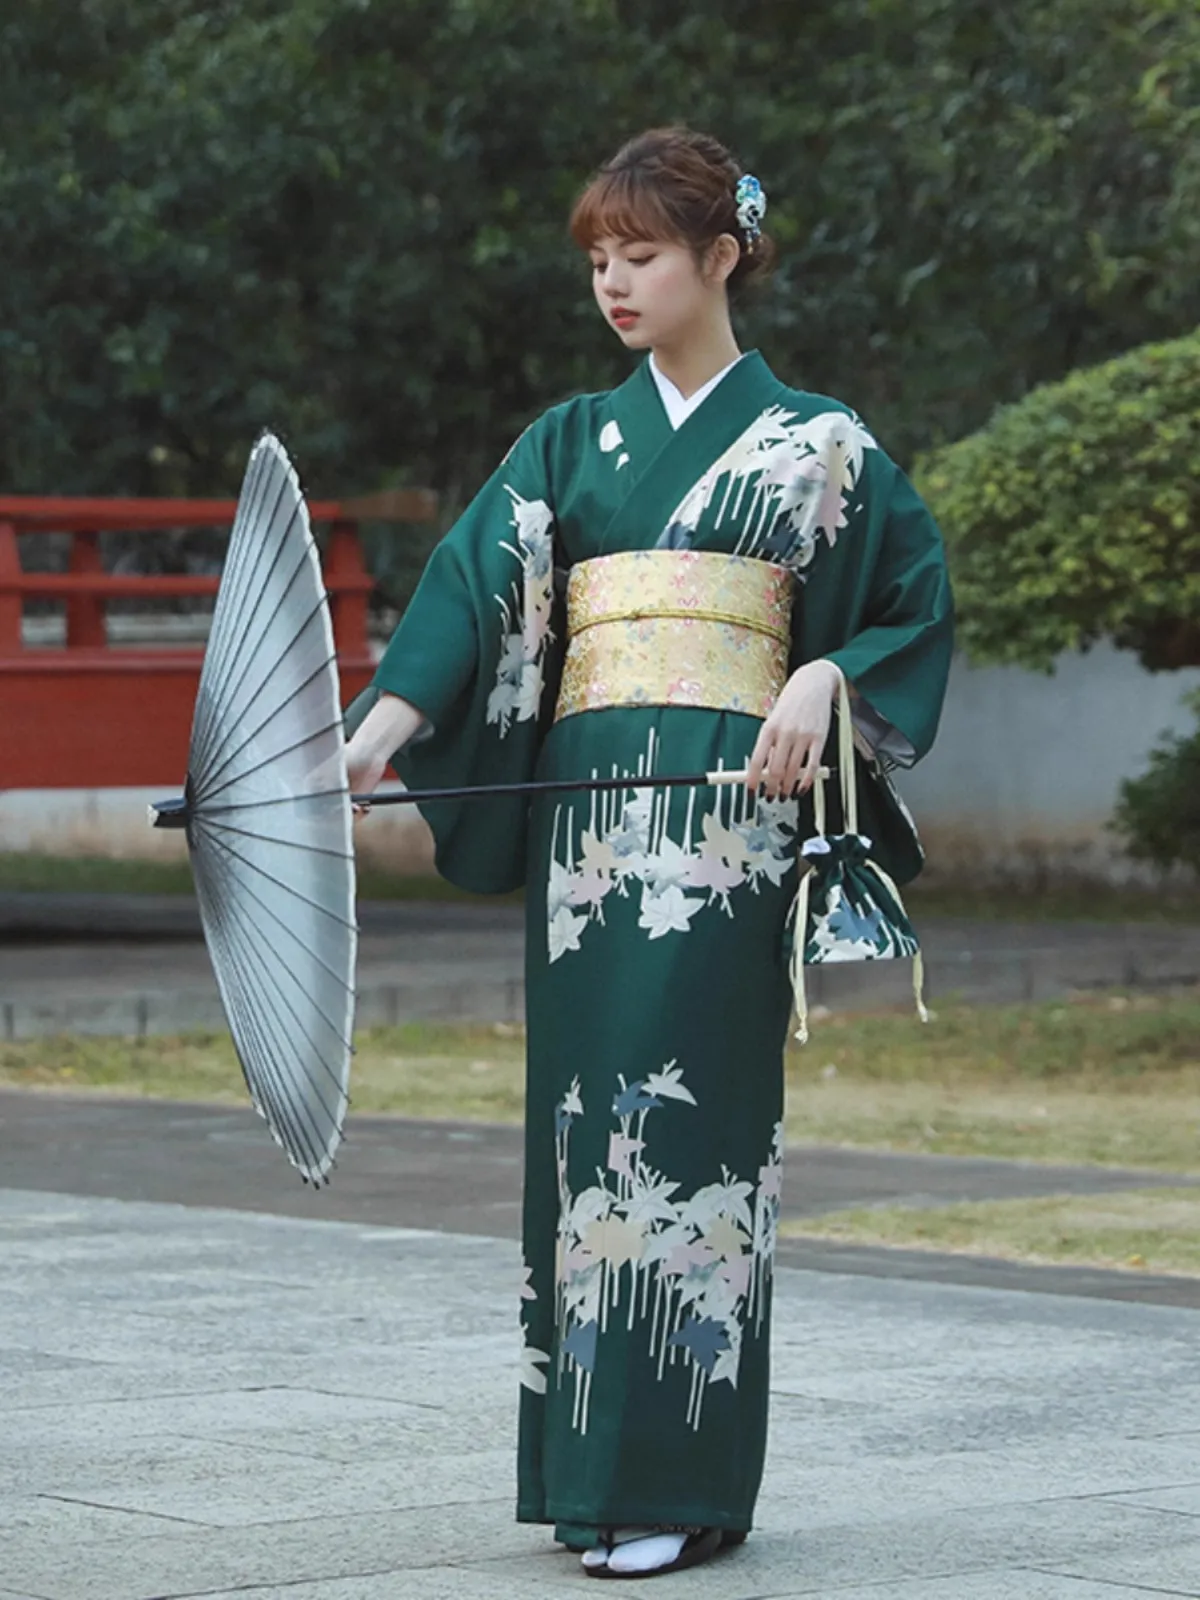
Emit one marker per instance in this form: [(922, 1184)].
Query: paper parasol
[(267, 811), (268, 820)]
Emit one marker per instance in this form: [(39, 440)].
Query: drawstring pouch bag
[(847, 908)]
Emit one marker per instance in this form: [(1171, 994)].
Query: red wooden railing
[(90, 715)]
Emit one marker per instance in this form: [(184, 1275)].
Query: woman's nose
[(614, 282)]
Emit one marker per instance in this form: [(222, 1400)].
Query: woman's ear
[(723, 255)]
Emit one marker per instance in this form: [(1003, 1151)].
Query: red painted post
[(10, 598), (85, 612), (349, 584)]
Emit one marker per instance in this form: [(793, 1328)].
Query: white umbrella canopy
[(267, 811), (268, 819)]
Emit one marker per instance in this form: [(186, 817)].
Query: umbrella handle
[(175, 813), (399, 797)]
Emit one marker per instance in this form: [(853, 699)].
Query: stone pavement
[(216, 1404), (293, 1398), (135, 964)]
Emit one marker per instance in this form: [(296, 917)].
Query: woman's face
[(652, 292)]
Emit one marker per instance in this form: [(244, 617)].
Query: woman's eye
[(639, 261)]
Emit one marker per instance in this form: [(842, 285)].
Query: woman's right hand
[(386, 728), (364, 769)]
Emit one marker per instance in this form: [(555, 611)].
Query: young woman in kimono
[(735, 546)]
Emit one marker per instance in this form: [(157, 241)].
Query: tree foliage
[(345, 218), (1076, 514), (1158, 814)]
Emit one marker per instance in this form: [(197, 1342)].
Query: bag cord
[(799, 910)]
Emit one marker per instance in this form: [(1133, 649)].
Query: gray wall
[(1025, 771)]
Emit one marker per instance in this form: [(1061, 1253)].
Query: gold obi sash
[(676, 628)]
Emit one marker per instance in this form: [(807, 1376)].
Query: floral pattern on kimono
[(525, 613), (691, 1270), (626, 845), (783, 482)]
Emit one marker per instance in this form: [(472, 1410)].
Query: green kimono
[(657, 983)]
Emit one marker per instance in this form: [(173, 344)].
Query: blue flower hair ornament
[(751, 208)]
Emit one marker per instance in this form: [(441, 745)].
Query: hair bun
[(674, 183)]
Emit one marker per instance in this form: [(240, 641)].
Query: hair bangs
[(621, 205)]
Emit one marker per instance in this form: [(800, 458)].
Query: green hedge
[(1075, 514), (1158, 814)]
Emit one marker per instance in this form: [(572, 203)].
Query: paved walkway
[(215, 1383), (466, 1178), (216, 1404), (136, 964)]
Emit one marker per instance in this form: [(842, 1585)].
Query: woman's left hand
[(790, 743)]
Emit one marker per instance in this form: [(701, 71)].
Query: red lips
[(623, 318)]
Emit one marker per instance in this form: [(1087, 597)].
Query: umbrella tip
[(170, 814)]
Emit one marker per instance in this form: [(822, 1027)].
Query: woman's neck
[(690, 364)]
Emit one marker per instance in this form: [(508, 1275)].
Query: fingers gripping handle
[(741, 774)]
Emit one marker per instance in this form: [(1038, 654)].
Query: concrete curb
[(136, 964)]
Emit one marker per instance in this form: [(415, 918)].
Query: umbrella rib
[(303, 1134), (261, 482), (269, 998), (238, 643), (279, 1115), (230, 691), (204, 782), (266, 1094), (203, 805), (256, 485), (278, 920), (306, 1134), (334, 1027), (286, 887), (286, 844), (233, 633), (210, 770), (229, 634)]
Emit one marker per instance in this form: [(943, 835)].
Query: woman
[(735, 548)]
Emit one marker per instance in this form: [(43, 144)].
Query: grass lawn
[(417, 1070), (1149, 1230), (1112, 1079), (42, 874), (1106, 1079)]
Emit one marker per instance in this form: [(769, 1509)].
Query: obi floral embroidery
[(691, 1270), (526, 635), (676, 627), (727, 843)]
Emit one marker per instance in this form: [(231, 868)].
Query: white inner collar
[(678, 408)]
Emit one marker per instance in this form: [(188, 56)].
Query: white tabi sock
[(597, 1557), (648, 1553)]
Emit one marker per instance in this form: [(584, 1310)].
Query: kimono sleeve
[(897, 654), (478, 651)]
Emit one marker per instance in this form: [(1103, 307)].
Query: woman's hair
[(670, 183)]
